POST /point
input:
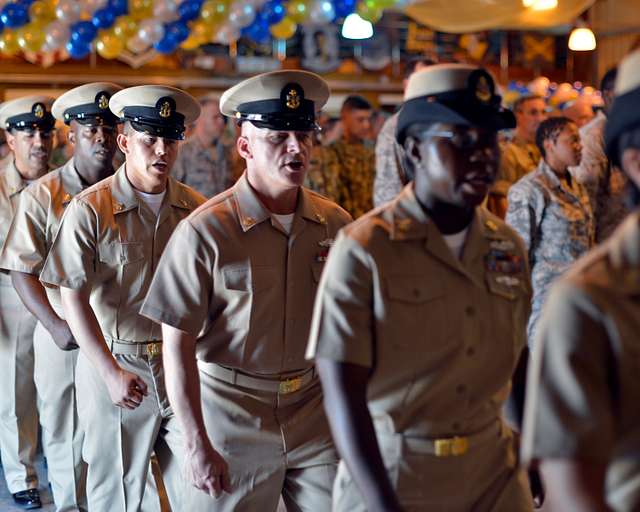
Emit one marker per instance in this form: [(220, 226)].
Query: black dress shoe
[(28, 499)]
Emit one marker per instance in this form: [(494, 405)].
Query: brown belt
[(151, 348), (281, 386)]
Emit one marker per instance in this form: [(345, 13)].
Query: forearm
[(35, 299), (183, 384), (86, 330)]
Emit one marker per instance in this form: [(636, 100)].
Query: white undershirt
[(153, 201), (286, 221), (456, 242)]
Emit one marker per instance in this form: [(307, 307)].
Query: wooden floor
[(6, 500)]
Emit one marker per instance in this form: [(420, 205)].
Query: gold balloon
[(369, 11), (202, 31), (109, 45), (31, 37), (285, 29), (9, 42), (214, 11), (140, 9), (298, 10), (125, 27), (42, 10)]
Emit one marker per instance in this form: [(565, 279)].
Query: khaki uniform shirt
[(584, 378), (442, 336), (36, 223), (231, 276), (11, 186), (518, 158), (110, 239)]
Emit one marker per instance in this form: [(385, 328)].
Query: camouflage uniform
[(556, 222), (322, 178), (389, 154), (605, 184), (518, 158), (208, 170), (354, 165)]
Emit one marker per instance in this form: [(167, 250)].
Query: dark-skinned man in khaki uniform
[(420, 317), (103, 258), (93, 130), (582, 421), (28, 123), (234, 291)]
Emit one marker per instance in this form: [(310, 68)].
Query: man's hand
[(62, 335), (126, 389), (206, 470)]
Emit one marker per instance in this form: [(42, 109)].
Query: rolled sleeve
[(569, 409), (180, 292), (342, 325), (71, 262)]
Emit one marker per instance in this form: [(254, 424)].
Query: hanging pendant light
[(540, 5), (582, 39), (355, 27)]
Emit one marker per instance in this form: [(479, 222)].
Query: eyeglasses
[(464, 140)]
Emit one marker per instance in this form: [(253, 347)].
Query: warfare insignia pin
[(293, 100), (502, 245), (508, 281), (103, 101), (38, 110), (327, 242), (165, 109)]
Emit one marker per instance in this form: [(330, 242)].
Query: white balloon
[(322, 11), (165, 10), (68, 11), (57, 34), (150, 31), (93, 5), (137, 45), (241, 14), (227, 34)]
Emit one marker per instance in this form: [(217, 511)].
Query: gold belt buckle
[(290, 385), (154, 349), (451, 447)]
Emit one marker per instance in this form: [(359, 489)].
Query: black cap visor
[(624, 116)]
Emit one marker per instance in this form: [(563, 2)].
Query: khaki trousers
[(18, 413), (118, 442), (486, 478), (275, 445), (55, 372)]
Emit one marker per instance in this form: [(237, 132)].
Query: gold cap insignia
[(38, 111), (293, 99), (103, 101), (165, 109), (483, 90)]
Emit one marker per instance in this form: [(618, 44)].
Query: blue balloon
[(118, 7), (78, 49), (14, 15), (26, 3), (177, 31), (166, 45), (272, 12), (103, 18), (83, 31), (344, 7), (189, 10)]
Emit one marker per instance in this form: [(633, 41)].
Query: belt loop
[(139, 349), (313, 371), (234, 376)]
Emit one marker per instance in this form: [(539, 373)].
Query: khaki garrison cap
[(87, 104), (27, 113), (452, 93), (280, 100), (159, 110), (625, 111)]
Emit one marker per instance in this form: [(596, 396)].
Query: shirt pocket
[(249, 279), (508, 308), (116, 254)]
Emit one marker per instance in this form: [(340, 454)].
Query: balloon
[(83, 32), (177, 31), (78, 49), (258, 31), (165, 10), (227, 34), (56, 34), (31, 37), (14, 15), (137, 45), (539, 86), (214, 12), (166, 45), (140, 9), (189, 10), (109, 45), (42, 10), (103, 18), (344, 7), (241, 15), (68, 11), (273, 12), (285, 29), (322, 11), (125, 26), (201, 33), (119, 7), (297, 10), (150, 31), (93, 5), (368, 11), (9, 43)]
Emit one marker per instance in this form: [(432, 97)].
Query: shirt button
[(470, 310), (471, 351), (461, 388)]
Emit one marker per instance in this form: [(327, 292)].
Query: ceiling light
[(355, 27), (582, 39), (540, 5)]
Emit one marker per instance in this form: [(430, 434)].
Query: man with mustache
[(234, 292), (102, 259), (28, 124), (419, 321), (92, 132)]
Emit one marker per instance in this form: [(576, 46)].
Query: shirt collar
[(626, 253), (72, 183), (15, 181), (408, 219)]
